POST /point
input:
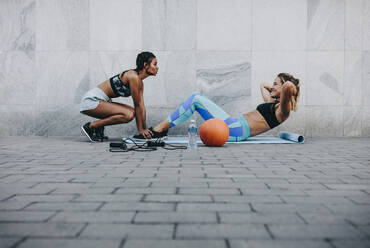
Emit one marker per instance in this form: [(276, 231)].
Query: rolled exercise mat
[(292, 137)]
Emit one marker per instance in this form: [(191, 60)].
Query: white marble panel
[(279, 24), (169, 24), (63, 121), (62, 25), (17, 119), (267, 65), (17, 25), (366, 25), (325, 24), (352, 88), (325, 78), (352, 120), (224, 25), (179, 75), (62, 79), (365, 121), (324, 121), (225, 78), (17, 78), (366, 78), (115, 24), (353, 24)]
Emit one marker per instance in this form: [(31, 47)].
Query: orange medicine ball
[(214, 132)]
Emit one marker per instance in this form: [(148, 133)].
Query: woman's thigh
[(107, 109)]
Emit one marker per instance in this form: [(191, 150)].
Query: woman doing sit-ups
[(280, 99)]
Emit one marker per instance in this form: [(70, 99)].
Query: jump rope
[(147, 146)]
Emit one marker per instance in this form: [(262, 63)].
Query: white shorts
[(92, 98)]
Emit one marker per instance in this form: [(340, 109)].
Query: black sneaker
[(100, 133), (91, 133), (156, 135)]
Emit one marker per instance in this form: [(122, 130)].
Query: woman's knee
[(130, 115)]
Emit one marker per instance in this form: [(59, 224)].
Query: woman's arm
[(136, 88), (287, 92), (265, 92)]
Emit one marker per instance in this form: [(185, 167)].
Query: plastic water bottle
[(192, 133)]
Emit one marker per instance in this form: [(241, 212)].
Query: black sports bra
[(267, 110), (118, 87)]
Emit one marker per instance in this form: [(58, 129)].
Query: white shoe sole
[(87, 134)]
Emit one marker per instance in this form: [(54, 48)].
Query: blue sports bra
[(267, 110), (118, 87)]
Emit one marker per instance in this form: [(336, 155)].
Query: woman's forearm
[(140, 116)]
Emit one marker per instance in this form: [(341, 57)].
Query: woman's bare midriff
[(256, 122), (105, 86)]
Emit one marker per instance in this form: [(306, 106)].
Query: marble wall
[(53, 51)]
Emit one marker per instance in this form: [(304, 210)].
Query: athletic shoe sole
[(87, 134)]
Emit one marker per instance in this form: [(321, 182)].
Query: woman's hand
[(146, 133), (267, 87), (266, 92)]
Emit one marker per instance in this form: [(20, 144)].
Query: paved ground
[(64, 192)]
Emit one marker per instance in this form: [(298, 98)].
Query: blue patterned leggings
[(238, 126)]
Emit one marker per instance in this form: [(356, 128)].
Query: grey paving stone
[(290, 208), (108, 198), (139, 206), (221, 231), (39, 229), (207, 191), (177, 198), (25, 216), (128, 231), (175, 217), (316, 232), (146, 190), (93, 217), (70, 243), (65, 206), (278, 244), (248, 199), (258, 218), (299, 194), (134, 243), (214, 207), (351, 243), (8, 242)]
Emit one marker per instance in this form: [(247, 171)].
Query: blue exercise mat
[(284, 138)]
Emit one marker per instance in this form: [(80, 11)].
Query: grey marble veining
[(366, 78), (169, 24), (325, 26), (330, 81), (227, 86), (366, 25), (17, 78), (62, 77), (17, 25), (352, 120), (62, 25)]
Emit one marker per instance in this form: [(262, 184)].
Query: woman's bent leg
[(196, 102), (110, 113), (238, 126)]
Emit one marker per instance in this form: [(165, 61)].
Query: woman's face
[(276, 88), (152, 68)]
